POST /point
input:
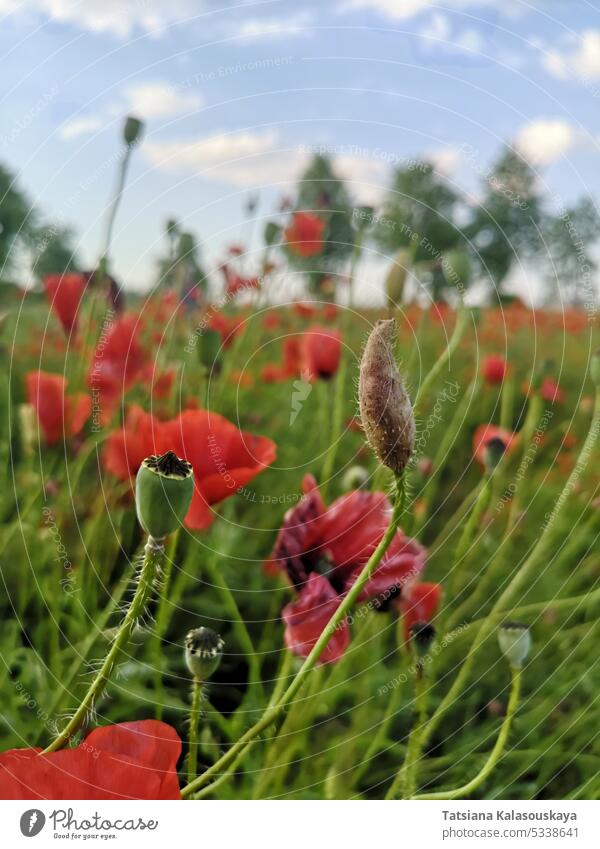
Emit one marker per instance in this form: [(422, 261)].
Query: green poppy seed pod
[(163, 492), (396, 278), (515, 642), (203, 652), (422, 635), (493, 452), (595, 367), (385, 408), (132, 130)]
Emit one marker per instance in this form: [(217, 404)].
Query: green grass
[(346, 733)]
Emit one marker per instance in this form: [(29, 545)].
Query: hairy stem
[(153, 557)]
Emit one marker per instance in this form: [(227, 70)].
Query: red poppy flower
[(321, 351), (64, 292), (334, 543), (330, 311), (304, 310), (494, 369), (119, 360), (292, 362), (485, 433), (306, 617), (273, 373), (125, 449), (271, 321), (59, 415), (132, 760), (551, 391), (304, 236), (223, 457), (420, 603), (227, 327)]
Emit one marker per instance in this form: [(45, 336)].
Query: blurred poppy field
[(289, 503)]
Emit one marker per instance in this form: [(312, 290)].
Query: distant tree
[(322, 192), (505, 224), (420, 214), (17, 222), (569, 237), (53, 251)]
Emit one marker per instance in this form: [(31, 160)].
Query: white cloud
[(75, 127), (402, 10), (115, 17), (244, 159), (366, 178), (144, 100), (262, 158), (544, 140), (583, 60), (445, 160), (159, 100), (254, 28)]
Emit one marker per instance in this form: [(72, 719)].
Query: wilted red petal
[(420, 604), (306, 617), (400, 566), (352, 526)]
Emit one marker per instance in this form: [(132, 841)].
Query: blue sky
[(235, 98)]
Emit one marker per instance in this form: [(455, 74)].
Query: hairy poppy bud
[(163, 492), (132, 130), (203, 652), (385, 408), (515, 642)]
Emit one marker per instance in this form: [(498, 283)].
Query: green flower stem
[(506, 403), (470, 528), (238, 625), (112, 214), (153, 558), (297, 721), (162, 621), (405, 780), (195, 711), (460, 326), (337, 423), (563, 605), (444, 451), (532, 418), (495, 754), (272, 713), (284, 672), (541, 551)]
